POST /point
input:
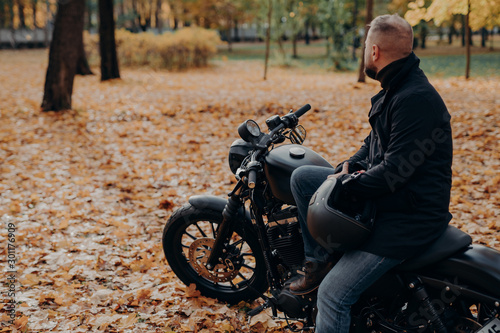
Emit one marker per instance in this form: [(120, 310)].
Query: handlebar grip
[(300, 112), (252, 178)]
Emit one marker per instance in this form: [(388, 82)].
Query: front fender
[(208, 201), (218, 204)]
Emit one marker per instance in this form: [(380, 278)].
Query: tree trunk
[(158, 20), (306, 34), (2, 16), (491, 40), (46, 28), (121, 14), (10, 4), (295, 54), (20, 14), (354, 37), (147, 21), (368, 20), (423, 34), (236, 31), (89, 16), (82, 65), (484, 36), (34, 4), (12, 40), (468, 42), (464, 29), (135, 24), (107, 44), (268, 36), (63, 56), (451, 32), (229, 38)]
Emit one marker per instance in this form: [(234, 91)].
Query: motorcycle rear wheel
[(187, 239)]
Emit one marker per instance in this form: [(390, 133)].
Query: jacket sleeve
[(358, 161), (412, 122)]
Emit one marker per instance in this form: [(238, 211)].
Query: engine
[(285, 237)]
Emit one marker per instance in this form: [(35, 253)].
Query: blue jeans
[(350, 276), (304, 182), (344, 284)]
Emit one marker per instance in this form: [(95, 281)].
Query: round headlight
[(253, 128), (249, 130)]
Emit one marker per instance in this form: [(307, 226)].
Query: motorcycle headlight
[(249, 130), (237, 152)]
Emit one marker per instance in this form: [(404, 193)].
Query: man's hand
[(345, 171)]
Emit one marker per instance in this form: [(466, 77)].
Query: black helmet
[(331, 228)]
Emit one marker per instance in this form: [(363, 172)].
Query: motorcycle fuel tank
[(280, 163)]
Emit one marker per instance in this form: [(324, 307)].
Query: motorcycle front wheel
[(188, 238)]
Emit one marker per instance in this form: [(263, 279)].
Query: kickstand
[(268, 303)]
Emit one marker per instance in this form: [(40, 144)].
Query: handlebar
[(254, 167), (300, 112), (252, 178), (288, 121)]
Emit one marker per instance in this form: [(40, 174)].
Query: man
[(405, 169)]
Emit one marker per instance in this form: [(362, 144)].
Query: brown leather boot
[(313, 275)]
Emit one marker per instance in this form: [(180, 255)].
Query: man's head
[(389, 38)]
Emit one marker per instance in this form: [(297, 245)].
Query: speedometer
[(249, 130)]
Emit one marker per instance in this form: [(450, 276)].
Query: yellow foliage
[(185, 48), (483, 13)]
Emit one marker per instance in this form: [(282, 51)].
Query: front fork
[(225, 229)]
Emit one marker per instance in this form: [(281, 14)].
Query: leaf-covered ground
[(89, 190)]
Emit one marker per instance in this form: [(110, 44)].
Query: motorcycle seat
[(451, 241)]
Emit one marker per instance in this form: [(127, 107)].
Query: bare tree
[(82, 65), (368, 19), (107, 44), (468, 41), (63, 55), (268, 36)]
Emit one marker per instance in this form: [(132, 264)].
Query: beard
[(371, 71)]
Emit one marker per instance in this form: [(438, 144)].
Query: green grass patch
[(313, 57), (487, 64)]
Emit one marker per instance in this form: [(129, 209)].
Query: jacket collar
[(391, 75)]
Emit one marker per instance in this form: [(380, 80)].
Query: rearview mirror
[(298, 135)]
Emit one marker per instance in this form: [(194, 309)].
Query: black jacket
[(407, 157)]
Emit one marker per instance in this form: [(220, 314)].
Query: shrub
[(182, 49)]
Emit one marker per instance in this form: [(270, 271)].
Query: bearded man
[(403, 167)]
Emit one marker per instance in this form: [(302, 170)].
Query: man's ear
[(375, 52)]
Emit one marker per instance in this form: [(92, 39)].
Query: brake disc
[(199, 251), (467, 325)]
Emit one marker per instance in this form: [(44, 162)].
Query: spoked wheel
[(470, 315), (466, 325), (188, 238)]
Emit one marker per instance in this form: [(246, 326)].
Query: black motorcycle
[(249, 246)]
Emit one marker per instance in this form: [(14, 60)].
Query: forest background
[(85, 191)]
